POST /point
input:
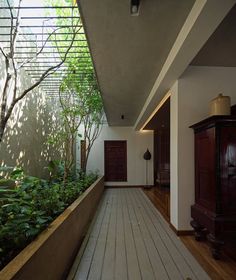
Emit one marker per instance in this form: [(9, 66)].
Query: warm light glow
[(156, 110), (144, 130)]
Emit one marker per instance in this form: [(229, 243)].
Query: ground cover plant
[(29, 204)]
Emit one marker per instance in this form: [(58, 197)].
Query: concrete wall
[(33, 119), (25, 141), (190, 104), (137, 144)]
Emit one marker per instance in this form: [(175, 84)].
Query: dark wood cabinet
[(214, 211)]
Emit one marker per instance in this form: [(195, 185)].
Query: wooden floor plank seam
[(126, 276), (158, 273), (132, 231), (79, 276), (132, 243), (145, 218), (100, 211), (174, 251), (190, 259), (158, 231), (143, 256), (148, 249), (106, 239), (115, 253), (167, 244), (92, 274), (173, 237), (110, 249)]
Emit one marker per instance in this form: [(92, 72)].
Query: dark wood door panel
[(205, 168), (115, 161)]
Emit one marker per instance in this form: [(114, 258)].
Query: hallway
[(128, 239)]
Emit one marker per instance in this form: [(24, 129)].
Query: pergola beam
[(52, 52), (38, 7), (49, 47)]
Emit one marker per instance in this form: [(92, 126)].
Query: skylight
[(49, 35)]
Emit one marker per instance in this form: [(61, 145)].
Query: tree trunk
[(2, 129)]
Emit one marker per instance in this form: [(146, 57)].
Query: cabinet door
[(228, 169), (205, 168)]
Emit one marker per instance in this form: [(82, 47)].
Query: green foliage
[(80, 98), (30, 206), (56, 170)]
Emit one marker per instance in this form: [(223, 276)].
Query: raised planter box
[(51, 254)]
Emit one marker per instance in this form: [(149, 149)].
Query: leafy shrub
[(29, 204)]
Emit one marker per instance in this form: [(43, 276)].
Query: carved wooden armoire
[(214, 211)]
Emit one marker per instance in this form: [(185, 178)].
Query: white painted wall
[(174, 155), (137, 144), (190, 104)]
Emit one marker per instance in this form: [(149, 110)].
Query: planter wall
[(51, 255)]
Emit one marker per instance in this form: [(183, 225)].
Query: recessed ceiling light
[(134, 8)]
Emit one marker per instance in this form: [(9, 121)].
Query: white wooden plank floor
[(129, 239)]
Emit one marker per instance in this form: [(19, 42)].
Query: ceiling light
[(134, 8)]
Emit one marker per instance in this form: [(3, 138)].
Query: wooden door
[(115, 161)]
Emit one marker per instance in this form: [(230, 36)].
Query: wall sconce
[(134, 7)]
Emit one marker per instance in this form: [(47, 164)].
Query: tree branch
[(3, 53), (5, 114), (41, 49)]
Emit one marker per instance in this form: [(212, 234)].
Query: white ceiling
[(129, 51)]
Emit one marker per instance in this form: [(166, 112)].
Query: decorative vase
[(220, 105), (147, 156)]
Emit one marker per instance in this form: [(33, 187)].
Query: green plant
[(79, 96), (56, 170), (31, 204)]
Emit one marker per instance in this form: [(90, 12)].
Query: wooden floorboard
[(95, 271), (133, 267), (224, 269), (85, 262), (108, 267), (131, 240), (165, 258), (143, 257), (89, 243), (153, 253), (185, 262), (121, 271)]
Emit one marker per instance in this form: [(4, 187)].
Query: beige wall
[(190, 104), (25, 141)]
